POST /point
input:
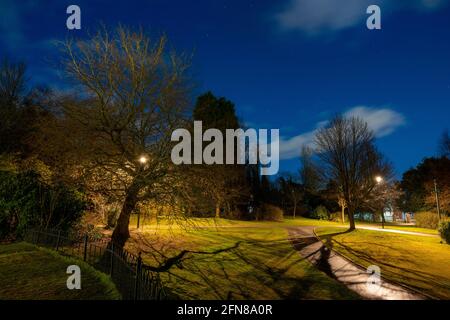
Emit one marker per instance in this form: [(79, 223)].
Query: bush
[(320, 213), (444, 230), (337, 216), (428, 220), (269, 212), (26, 201)]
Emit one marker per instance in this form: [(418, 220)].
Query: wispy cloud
[(315, 17), (382, 121)]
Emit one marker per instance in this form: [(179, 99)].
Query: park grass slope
[(31, 273), (240, 261)]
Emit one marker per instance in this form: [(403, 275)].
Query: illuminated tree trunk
[(351, 218), (217, 210), (383, 219), (121, 232), (343, 205)]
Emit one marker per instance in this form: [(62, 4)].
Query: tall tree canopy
[(349, 157), (214, 112), (130, 93), (224, 184), (418, 186), (21, 109)]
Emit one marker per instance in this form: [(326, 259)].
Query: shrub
[(320, 213), (444, 230), (428, 220), (337, 216), (269, 212), (26, 201)]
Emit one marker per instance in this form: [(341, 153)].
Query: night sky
[(287, 64)]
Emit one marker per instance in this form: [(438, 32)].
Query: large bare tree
[(12, 91), (130, 93), (350, 159)]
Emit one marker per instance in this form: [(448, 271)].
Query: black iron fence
[(132, 278)]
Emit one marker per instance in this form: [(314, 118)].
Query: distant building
[(390, 215)]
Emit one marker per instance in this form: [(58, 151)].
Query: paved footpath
[(334, 265), (398, 231)]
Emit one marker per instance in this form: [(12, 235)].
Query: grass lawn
[(416, 261), (236, 260), (400, 227), (288, 222), (31, 273), (193, 223)]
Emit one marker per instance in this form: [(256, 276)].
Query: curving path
[(421, 234), (334, 265)]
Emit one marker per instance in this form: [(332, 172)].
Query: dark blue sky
[(287, 64)]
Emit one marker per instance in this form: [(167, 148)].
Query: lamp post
[(379, 180), (142, 160)]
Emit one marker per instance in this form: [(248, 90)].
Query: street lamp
[(143, 159), (379, 180)]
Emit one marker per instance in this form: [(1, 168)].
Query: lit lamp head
[(379, 179), (143, 159)]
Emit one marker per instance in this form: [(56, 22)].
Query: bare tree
[(12, 82), (343, 205), (309, 172), (131, 94), (12, 90), (350, 158), (384, 196), (291, 190)]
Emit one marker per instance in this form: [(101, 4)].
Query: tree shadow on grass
[(244, 270)]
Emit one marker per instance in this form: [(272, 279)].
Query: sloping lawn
[(419, 262), (31, 273), (244, 261)]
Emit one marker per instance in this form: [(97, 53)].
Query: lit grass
[(416, 261), (218, 223), (400, 228), (414, 229), (245, 260), (31, 273)]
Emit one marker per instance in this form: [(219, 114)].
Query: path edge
[(412, 290)]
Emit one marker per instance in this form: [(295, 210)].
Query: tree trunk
[(217, 210), (121, 232), (351, 219), (343, 214), (295, 209)]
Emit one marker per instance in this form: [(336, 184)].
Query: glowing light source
[(143, 159), (379, 179)]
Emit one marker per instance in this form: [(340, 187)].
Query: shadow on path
[(337, 267)]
